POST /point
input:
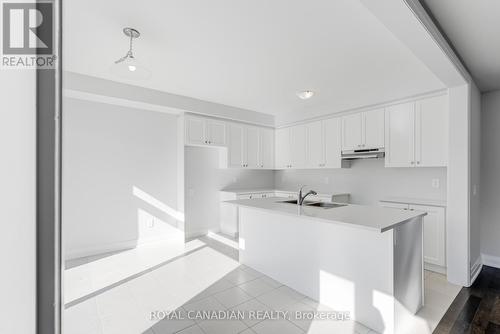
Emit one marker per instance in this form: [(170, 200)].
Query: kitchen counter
[(244, 191), (417, 201), (374, 218), (339, 256)]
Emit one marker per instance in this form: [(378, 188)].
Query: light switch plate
[(435, 183)]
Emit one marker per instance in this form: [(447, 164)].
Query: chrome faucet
[(302, 198)]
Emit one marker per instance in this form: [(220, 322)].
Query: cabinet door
[(373, 129), (315, 145), (434, 234), (399, 135), (352, 132), (195, 131), (332, 139), (216, 132), (236, 152), (431, 132), (252, 147), (298, 146), (266, 148), (282, 148)]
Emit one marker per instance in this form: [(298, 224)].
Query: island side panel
[(346, 268), (408, 272)]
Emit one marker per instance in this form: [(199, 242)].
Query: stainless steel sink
[(326, 205), (294, 201)]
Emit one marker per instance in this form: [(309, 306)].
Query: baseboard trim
[(100, 249), (491, 260), (475, 269), (435, 268), (112, 247)]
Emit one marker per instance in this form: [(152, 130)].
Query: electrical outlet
[(435, 183)]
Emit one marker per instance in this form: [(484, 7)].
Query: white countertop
[(375, 218), (271, 190), (417, 201)]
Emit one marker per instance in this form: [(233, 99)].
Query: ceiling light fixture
[(305, 94), (128, 66)]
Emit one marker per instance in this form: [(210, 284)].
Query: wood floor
[(475, 309)]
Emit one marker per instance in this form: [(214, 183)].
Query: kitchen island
[(361, 259)]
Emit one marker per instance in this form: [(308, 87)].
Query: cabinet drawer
[(403, 206)]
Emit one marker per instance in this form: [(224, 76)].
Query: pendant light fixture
[(128, 66)]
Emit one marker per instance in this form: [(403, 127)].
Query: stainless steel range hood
[(368, 153)]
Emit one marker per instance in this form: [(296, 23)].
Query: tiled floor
[(205, 277)]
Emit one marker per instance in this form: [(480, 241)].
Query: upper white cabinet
[(205, 131), (315, 144), (332, 133), (216, 132), (298, 148), (195, 131), (250, 146), (352, 138), (363, 130), (416, 133), (291, 147), (236, 153), (373, 129), (324, 144), (431, 132), (282, 148), (400, 135), (266, 148)]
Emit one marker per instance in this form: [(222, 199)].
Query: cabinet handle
[(418, 162), (413, 162)]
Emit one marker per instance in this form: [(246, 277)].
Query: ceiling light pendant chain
[(128, 66), (130, 53)]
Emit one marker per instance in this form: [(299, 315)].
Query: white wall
[(490, 179), (368, 181), (17, 177), (458, 200), (203, 181), (119, 177), (475, 179)]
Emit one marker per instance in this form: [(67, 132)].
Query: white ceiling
[(473, 28), (250, 54)]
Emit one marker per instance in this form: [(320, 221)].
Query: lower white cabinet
[(434, 233)]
